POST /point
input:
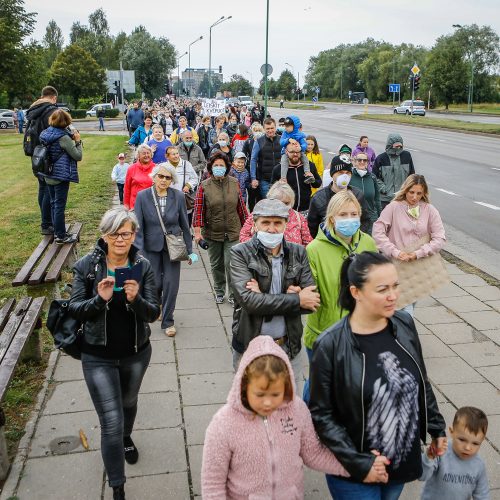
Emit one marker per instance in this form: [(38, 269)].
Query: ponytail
[(354, 272)]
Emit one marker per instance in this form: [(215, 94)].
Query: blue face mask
[(188, 144), (347, 227), (281, 129), (218, 171)]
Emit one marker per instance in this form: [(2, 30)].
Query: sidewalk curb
[(17, 466)]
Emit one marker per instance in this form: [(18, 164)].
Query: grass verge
[(485, 107), (20, 234), (441, 123), (294, 105)]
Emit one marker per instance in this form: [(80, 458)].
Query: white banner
[(213, 107)]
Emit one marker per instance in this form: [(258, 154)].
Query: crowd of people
[(352, 245)]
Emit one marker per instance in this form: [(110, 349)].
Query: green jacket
[(369, 187), (326, 255)]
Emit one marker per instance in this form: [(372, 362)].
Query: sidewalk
[(189, 378)]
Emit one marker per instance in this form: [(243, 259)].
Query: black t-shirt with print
[(391, 388)]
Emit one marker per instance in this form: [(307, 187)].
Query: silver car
[(6, 119), (405, 108)]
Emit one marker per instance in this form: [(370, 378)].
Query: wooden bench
[(17, 342), (47, 261)]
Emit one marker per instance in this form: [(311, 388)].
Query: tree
[(151, 58), (117, 45), (286, 85), (271, 87), (214, 88), (238, 85), (53, 41), (76, 73)]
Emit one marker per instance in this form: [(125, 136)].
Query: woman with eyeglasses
[(151, 240), (115, 345)]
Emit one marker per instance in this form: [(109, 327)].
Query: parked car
[(405, 108), (93, 110), (246, 100), (6, 119)]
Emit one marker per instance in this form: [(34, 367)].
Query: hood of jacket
[(261, 345), (392, 139), (296, 122), (53, 134), (38, 109)]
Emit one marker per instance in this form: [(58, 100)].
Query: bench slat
[(5, 311), (15, 319), (56, 267), (26, 327), (24, 273)]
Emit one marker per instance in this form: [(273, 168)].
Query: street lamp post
[(178, 74), (266, 71), (219, 21), (189, 59)]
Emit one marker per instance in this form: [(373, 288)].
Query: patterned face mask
[(414, 212)]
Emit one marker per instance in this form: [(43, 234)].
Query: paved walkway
[(189, 379)]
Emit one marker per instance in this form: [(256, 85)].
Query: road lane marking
[(493, 168), (331, 153), (434, 139), (487, 205), (447, 192), (414, 150)]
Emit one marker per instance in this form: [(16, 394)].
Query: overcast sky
[(297, 29)]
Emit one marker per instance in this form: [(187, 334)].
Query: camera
[(203, 244)]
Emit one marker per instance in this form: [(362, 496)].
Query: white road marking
[(493, 168), (447, 192), (434, 139), (414, 150), (331, 153), (352, 136), (487, 205)]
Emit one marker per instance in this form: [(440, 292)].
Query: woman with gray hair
[(151, 240), (138, 176), (114, 297)]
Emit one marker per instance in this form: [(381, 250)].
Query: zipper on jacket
[(423, 383), (273, 465), (298, 188), (363, 401)]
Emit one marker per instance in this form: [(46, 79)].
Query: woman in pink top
[(138, 177), (408, 220), (296, 231), (257, 444)]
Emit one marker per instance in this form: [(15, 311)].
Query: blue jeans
[(340, 489), (101, 123), (114, 386), (21, 125), (44, 203), (58, 198), (264, 188), (306, 393)]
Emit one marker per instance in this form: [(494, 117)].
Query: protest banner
[(213, 107)]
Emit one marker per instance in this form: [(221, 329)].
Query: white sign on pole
[(126, 76), (213, 107)]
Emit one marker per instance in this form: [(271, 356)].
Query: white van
[(245, 100), (93, 110)]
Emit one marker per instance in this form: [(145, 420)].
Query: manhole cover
[(65, 444)]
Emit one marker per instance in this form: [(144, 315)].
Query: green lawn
[(485, 107), (294, 105), (424, 121)]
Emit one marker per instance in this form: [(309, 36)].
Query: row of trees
[(78, 69), (446, 68)]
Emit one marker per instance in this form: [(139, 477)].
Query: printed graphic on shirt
[(392, 421), (288, 426)]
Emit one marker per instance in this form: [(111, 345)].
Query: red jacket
[(137, 179)]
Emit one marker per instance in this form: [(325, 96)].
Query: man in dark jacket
[(272, 285), (135, 118), (295, 177), (392, 168), (266, 154), (38, 120), (341, 172)]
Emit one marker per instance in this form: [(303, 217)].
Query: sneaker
[(68, 238), (309, 179), (219, 299), (47, 230), (131, 453), (119, 492)]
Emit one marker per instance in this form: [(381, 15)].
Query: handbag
[(188, 197), (176, 247)]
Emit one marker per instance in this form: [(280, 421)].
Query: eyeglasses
[(126, 235), (162, 177), (362, 160)]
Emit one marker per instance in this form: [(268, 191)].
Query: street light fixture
[(178, 74), (189, 69), (470, 97), (219, 21)]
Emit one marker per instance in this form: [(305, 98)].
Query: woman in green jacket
[(337, 238)]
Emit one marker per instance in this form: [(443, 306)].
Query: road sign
[(415, 70), (263, 70), (315, 99), (394, 87), (318, 90)]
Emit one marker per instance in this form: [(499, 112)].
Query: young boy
[(119, 173), (292, 134), (460, 473), (239, 171)]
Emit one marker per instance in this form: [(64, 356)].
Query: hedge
[(112, 113), (78, 113)]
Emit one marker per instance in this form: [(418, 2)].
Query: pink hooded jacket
[(248, 457)]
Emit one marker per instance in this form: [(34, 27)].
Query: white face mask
[(222, 144), (343, 180), (361, 173), (270, 240)]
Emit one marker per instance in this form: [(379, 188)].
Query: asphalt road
[(463, 172)]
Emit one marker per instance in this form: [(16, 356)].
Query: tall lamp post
[(178, 74), (219, 21), (266, 69), (470, 97), (189, 59)]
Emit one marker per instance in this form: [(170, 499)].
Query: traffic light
[(220, 69), (116, 86), (416, 83)]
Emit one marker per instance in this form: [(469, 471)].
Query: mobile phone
[(123, 274)]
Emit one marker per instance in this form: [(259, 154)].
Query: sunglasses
[(164, 177)]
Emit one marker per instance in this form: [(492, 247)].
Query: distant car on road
[(245, 100), (6, 118), (405, 108), (93, 110)]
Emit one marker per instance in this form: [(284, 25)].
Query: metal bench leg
[(4, 457)]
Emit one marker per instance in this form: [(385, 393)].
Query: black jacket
[(319, 204), (337, 378), (249, 261), (269, 155), (295, 178), (92, 309)]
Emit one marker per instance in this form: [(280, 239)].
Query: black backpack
[(34, 128), (41, 161)]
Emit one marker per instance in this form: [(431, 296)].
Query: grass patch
[(484, 107), (294, 105), (425, 121), (20, 234)]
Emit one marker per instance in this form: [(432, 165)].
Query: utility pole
[(341, 84), (219, 21), (298, 87), (121, 91), (267, 60), (189, 69), (178, 74)]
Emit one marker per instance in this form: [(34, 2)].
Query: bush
[(112, 113), (78, 113)]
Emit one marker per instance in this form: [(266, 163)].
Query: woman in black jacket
[(371, 401), (115, 350)]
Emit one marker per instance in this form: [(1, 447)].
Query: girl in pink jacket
[(257, 444)]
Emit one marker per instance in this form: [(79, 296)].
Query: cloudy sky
[(297, 29)]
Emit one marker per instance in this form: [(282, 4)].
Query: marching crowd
[(352, 246)]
